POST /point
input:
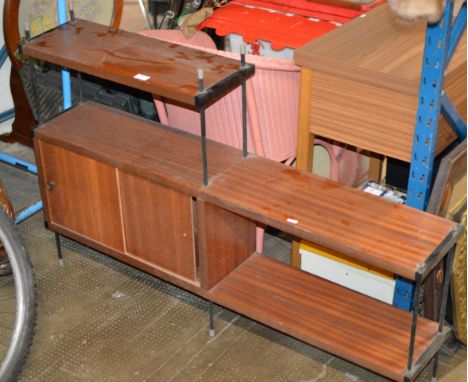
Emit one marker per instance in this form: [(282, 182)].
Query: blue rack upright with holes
[(441, 41)]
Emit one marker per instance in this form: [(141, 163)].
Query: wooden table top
[(155, 66), (374, 49), (378, 232)]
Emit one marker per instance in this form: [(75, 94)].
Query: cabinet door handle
[(50, 185)]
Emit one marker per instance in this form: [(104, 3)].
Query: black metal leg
[(203, 142), (80, 87), (211, 312), (443, 304), (244, 106), (59, 248), (417, 298), (445, 288), (201, 89), (435, 367)]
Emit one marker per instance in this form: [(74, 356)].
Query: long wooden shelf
[(389, 236), (343, 322), (116, 55)]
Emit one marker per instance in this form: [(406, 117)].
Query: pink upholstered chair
[(272, 104)]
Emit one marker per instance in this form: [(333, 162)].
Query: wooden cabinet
[(81, 195), (131, 191)]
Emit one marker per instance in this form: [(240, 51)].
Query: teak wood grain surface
[(138, 146), (376, 231), (165, 69), (157, 224), (143, 182), (346, 323), (81, 195), (365, 85), (226, 240)]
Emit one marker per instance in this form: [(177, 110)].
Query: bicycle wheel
[(17, 302)]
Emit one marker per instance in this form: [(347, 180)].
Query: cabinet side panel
[(226, 240), (158, 225), (82, 195)]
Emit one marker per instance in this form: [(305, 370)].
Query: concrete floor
[(101, 320)]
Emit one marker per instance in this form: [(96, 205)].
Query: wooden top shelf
[(394, 237), (165, 69), (137, 145), (340, 321)]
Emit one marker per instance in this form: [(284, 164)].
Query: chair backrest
[(272, 104), (273, 110)]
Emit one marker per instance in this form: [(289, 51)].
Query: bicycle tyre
[(25, 313)]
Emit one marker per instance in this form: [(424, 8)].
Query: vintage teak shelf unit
[(134, 189)]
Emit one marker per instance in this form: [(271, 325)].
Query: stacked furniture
[(138, 191), (360, 85)]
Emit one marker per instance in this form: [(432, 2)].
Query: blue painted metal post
[(441, 41), (23, 165), (66, 83), (453, 116), (458, 27), (3, 55), (427, 117), (28, 211)]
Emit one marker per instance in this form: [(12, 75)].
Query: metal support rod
[(416, 297), (145, 14), (72, 12), (7, 115), (28, 211), (66, 81), (211, 313), (458, 27), (435, 367), (445, 287), (3, 55), (451, 113), (201, 89), (244, 104), (59, 248), (443, 305), (80, 87), (19, 163)]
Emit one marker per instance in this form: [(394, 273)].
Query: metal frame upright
[(441, 40)]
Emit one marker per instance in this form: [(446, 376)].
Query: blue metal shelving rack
[(441, 41)]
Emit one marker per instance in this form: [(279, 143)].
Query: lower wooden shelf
[(365, 331)]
